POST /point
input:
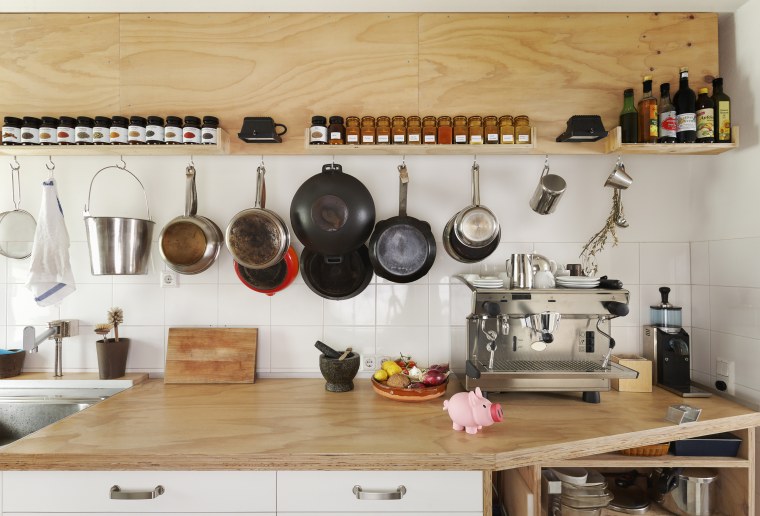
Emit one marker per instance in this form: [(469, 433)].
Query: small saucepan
[(190, 244), (257, 238), (272, 279), (337, 277), (402, 249)]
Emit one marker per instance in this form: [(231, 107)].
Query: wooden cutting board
[(211, 355)]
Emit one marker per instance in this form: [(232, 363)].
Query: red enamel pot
[(272, 279)]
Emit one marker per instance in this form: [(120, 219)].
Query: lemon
[(380, 375), (391, 367)]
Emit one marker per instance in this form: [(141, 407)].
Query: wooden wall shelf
[(410, 150), (614, 144), (222, 147)]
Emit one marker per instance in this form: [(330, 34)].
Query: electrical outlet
[(368, 362), (725, 375), (169, 279)]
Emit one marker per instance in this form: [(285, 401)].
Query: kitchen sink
[(23, 411)]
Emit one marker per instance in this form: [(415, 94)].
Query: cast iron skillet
[(336, 277), (332, 213), (402, 249)]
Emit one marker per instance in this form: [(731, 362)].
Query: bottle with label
[(506, 130), (722, 106), (49, 130), (154, 130), (83, 130), (119, 130), (30, 130), (460, 130), (399, 130), (413, 130), (629, 119), (383, 130), (209, 130), (685, 102), (491, 130), (101, 130), (475, 132), (66, 125), (648, 121), (136, 130), (11, 130), (172, 130), (191, 130), (318, 130), (353, 131), (667, 115), (445, 131), (429, 130), (368, 130), (705, 118), (336, 131), (522, 129)]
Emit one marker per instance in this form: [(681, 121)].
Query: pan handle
[(475, 184), (403, 176), (260, 171), (191, 194)]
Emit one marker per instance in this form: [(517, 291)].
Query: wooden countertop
[(296, 424)]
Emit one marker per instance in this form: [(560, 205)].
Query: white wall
[(386, 318)]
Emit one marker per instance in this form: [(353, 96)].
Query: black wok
[(332, 213), (402, 248)]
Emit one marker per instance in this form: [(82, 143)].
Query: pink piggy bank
[(470, 411)]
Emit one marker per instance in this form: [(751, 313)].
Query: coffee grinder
[(666, 344)]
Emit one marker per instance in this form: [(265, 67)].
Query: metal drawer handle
[(118, 494), (398, 494)]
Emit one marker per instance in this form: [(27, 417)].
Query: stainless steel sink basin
[(24, 411)]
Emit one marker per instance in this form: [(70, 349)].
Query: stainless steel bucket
[(118, 245)]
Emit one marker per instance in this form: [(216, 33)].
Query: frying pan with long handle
[(476, 225), (190, 244), (402, 248), (257, 238)]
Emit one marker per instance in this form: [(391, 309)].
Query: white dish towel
[(50, 276)]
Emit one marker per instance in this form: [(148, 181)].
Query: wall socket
[(373, 362), (169, 279), (725, 372)]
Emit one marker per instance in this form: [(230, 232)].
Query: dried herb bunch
[(598, 242), (116, 317)]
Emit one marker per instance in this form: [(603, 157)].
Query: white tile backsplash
[(143, 305), (240, 306), (665, 263), (700, 263), (700, 306), (402, 305), (409, 340), (357, 311), (699, 345), (297, 305), (731, 263), (192, 305), (292, 348), (89, 303), (735, 310)]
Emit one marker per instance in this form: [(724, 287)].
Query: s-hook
[(262, 161), (192, 163), (15, 161), (50, 166), (123, 164)]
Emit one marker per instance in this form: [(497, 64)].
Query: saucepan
[(190, 244)]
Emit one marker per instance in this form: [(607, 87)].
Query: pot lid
[(664, 305), (699, 475)]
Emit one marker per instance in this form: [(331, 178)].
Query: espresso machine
[(666, 344), (555, 339)]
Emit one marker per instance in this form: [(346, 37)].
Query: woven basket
[(652, 450)]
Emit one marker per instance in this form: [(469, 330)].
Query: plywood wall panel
[(551, 66), (288, 66), (56, 64)]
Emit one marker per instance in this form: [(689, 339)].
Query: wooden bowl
[(411, 395)]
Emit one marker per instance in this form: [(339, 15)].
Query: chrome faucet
[(56, 331)]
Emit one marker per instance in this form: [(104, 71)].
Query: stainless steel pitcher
[(520, 271)]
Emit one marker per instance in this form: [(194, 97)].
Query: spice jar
[(460, 129), (191, 130), (66, 126), (30, 130), (210, 130), (353, 130), (445, 131), (413, 130), (101, 130), (336, 131), (491, 130), (173, 130), (83, 130), (429, 130), (383, 130), (398, 130), (522, 129), (136, 130), (318, 131), (12, 130), (368, 130), (476, 129), (154, 130), (118, 130), (506, 130), (48, 130)]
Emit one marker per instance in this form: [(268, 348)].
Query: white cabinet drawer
[(183, 491), (423, 491)]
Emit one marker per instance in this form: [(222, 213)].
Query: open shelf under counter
[(222, 146), (423, 149), (617, 460), (614, 144)]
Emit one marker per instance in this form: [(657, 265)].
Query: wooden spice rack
[(614, 144), (222, 147), (422, 149)]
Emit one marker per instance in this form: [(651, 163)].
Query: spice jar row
[(103, 130), (415, 130)]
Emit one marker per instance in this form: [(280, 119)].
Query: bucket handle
[(124, 168)]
